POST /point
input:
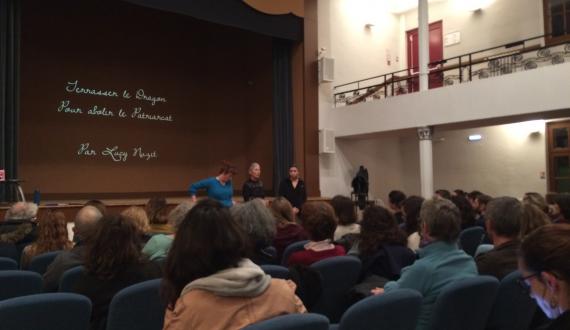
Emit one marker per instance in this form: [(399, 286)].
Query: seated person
[(157, 212), (209, 283), (441, 262), (411, 225), (319, 222), (113, 261), (503, 221), (346, 214), (86, 221), (288, 231), (19, 226)]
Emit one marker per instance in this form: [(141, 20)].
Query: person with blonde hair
[(532, 218), (253, 187), (288, 231), (138, 215), (52, 236)]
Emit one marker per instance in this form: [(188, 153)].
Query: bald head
[(86, 221)]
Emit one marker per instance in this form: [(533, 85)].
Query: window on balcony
[(557, 20)]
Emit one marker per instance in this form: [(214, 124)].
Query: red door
[(435, 55)]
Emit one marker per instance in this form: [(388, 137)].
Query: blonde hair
[(138, 216)]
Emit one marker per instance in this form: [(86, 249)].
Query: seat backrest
[(465, 304), (276, 271), (138, 306), (396, 310), (8, 264), (16, 283), (339, 275), (10, 251), (290, 249), (470, 238), (69, 277), (513, 308), (293, 322), (40, 263), (61, 311)]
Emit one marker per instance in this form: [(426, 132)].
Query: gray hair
[(441, 218), (179, 213), (252, 166), (86, 221), (256, 219), (505, 215), (21, 211)]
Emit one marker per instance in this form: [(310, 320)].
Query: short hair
[(252, 166), (484, 199), (344, 210), (563, 202), (116, 243), (473, 194), (177, 215), (441, 218), (532, 218), (443, 193), (459, 192), (282, 210), (22, 211), (156, 210), (548, 249), (227, 168), (138, 215), (396, 197), (86, 221), (319, 220), (256, 220), (505, 215)]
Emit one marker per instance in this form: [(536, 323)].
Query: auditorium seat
[(8, 264), (69, 277), (339, 275), (465, 304), (470, 238), (290, 249), (61, 311), (9, 251), (40, 263), (513, 308), (276, 271), (292, 322), (138, 306), (16, 283), (396, 310)]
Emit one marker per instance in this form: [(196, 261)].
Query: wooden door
[(558, 137), (435, 55)]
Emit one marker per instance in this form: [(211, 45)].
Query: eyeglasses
[(522, 281)]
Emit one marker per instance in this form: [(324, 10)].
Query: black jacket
[(296, 196), (252, 189)]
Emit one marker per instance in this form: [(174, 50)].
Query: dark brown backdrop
[(216, 80)]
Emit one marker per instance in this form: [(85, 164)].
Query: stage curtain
[(282, 111)]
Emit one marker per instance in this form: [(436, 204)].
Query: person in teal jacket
[(441, 262), (219, 188)]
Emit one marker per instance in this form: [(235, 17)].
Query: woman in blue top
[(219, 187)]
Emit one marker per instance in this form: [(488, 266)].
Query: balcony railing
[(522, 55)]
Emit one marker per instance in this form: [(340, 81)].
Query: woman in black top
[(253, 187), (293, 189)]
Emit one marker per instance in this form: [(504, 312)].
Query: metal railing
[(522, 55)]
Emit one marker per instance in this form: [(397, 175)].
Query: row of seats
[(38, 264)]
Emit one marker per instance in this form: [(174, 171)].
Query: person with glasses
[(544, 262)]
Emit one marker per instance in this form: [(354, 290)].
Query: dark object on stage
[(360, 187)]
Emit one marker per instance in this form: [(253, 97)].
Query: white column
[(423, 43), (426, 161)]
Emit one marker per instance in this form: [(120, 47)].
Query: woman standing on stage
[(219, 187), (253, 187)]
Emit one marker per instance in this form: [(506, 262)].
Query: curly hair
[(378, 226), (52, 233)]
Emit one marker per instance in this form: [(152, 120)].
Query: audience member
[(532, 218), (293, 189), (459, 192), (545, 271), (140, 219), (563, 204), (381, 246), (481, 202), (113, 261), (319, 221), (411, 225), (157, 213), (346, 215), (443, 193), (19, 226), (158, 245), (440, 263), (467, 212), (209, 283), (504, 215), (288, 231), (536, 199), (472, 197), (219, 187), (553, 209), (86, 221), (253, 187), (52, 236), (396, 198), (98, 204), (259, 224)]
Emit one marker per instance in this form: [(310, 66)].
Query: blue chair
[(10, 251), (292, 322), (40, 263), (513, 308), (276, 271), (138, 306), (339, 275), (290, 249), (16, 283), (69, 277), (465, 304), (470, 238), (8, 264), (61, 311), (396, 310)]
